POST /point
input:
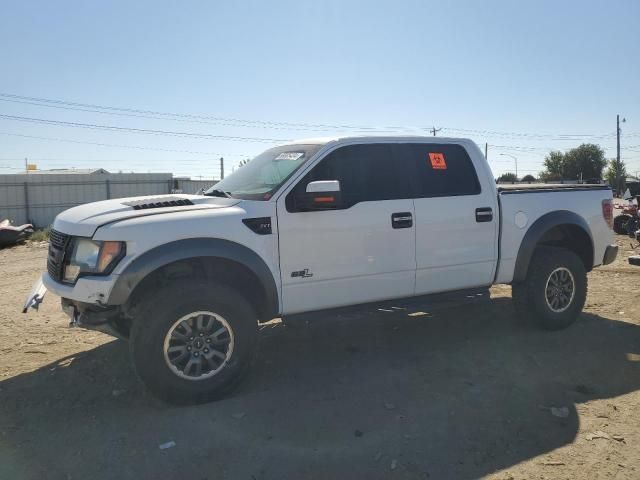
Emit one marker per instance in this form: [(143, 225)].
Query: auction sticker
[(290, 156)]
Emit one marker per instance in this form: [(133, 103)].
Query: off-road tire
[(158, 312), (530, 296)]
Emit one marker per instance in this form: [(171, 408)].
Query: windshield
[(262, 176)]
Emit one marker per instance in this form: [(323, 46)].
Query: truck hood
[(84, 220)]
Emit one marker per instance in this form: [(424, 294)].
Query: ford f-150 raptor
[(316, 225)]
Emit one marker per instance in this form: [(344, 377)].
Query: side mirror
[(319, 195)]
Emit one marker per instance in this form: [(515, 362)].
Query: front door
[(364, 249)]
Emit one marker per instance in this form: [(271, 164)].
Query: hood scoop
[(162, 202)]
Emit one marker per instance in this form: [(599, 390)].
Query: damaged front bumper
[(35, 298), (107, 320)]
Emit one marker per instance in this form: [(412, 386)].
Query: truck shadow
[(456, 393)]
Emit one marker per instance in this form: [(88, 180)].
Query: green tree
[(611, 174), (507, 178), (555, 168), (529, 178), (586, 161)]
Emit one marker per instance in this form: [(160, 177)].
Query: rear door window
[(442, 170)]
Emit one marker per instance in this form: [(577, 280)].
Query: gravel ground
[(466, 391)]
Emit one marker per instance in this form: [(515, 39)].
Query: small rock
[(618, 438), (597, 434), (358, 433), (238, 416), (394, 464), (560, 412), (164, 446)]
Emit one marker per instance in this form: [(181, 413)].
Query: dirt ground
[(460, 392)]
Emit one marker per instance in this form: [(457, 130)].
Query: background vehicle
[(317, 225)]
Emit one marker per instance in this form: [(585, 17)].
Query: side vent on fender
[(260, 225), (158, 203)]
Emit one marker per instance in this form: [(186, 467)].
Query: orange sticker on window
[(437, 161)]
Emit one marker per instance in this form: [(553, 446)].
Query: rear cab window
[(441, 170)]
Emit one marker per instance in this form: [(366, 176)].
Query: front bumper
[(610, 254), (89, 289), (35, 298), (107, 320)]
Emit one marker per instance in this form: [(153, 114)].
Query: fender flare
[(537, 230), (178, 250)]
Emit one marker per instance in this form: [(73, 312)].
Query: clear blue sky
[(503, 67)]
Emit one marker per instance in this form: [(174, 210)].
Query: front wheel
[(555, 289), (193, 342)]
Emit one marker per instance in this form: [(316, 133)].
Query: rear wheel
[(555, 290), (194, 341)]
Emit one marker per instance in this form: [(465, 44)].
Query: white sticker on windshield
[(290, 156)]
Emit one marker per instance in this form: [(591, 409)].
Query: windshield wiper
[(218, 193)]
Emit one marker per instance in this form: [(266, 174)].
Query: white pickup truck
[(316, 225)]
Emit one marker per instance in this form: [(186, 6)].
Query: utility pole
[(435, 130), (221, 168), (618, 154), (486, 151), (618, 185), (26, 166)]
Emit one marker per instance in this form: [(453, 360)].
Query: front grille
[(58, 245)]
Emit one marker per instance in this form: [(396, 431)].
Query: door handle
[(484, 214), (402, 220)]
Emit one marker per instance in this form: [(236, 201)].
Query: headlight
[(93, 257)]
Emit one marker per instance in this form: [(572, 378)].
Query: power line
[(140, 130), (123, 146), (231, 121)]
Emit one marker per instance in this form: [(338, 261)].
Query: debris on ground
[(358, 433), (170, 444), (597, 434), (394, 464), (389, 406), (11, 235), (238, 415)]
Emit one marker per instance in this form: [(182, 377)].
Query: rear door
[(456, 219), (361, 251)]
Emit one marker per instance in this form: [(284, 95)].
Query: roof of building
[(67, 171)]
